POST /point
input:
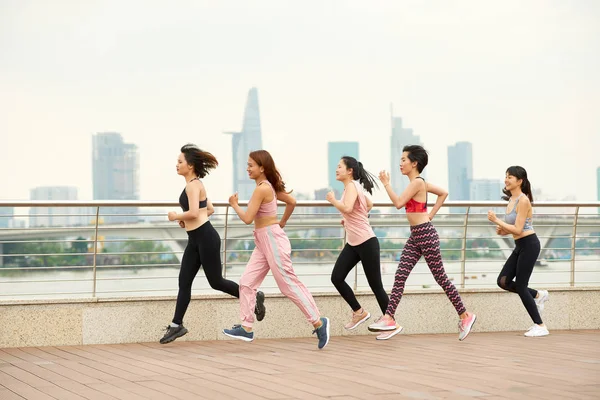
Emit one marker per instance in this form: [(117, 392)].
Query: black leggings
[(368, 253), (519, 267), (203, 249)]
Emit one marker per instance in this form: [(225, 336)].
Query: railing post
[(95, 252), (225, 242), (573, 246), (463, 250)]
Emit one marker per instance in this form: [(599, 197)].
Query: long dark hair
[(419, 154), (202, 161), (519, 173), (264, 159), (360, 173)]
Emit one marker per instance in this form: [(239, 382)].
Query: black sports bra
[(184, 202)]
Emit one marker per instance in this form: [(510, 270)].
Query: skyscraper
[(485, 190), (6, 218), (460, 172), (55, 216), (400, 137), (242, 143), (115, 168), (335, 151)]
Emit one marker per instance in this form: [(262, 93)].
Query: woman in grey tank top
[(517, 270)]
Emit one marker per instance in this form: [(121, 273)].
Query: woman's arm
[(192, 190), (210, 210), (522, 211), (290, 205), (441, 194), (256, 200), (410, 191), (349, 199)]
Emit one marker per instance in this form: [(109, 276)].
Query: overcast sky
[(518, 79)]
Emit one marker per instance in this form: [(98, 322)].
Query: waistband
[(200, 229), (423, 225), (526, 239)]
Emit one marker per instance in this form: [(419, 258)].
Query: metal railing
[(111, 249)]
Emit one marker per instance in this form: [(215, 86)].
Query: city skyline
[(401, 137), (243, 142), (460, 172), (523, 89), (335, 151), (112, 144), (115, 170)]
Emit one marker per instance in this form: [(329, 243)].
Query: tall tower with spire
[(243, 142), (400, 137)]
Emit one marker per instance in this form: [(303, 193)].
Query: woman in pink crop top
[(273, 250), (423, 241), (362, 244)]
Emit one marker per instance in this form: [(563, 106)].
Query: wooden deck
[(564, 365)]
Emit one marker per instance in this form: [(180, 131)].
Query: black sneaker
[(173, 333), (260, 309)]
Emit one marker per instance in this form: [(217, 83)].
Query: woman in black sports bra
[(204, 243)]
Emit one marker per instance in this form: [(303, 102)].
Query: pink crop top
[(268, 209), (356, 223)]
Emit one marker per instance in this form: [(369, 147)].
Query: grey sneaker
[(259, 309), (237, 332), (173, 333), (323, 332)]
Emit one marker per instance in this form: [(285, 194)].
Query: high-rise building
[(115, 168), (335, 151), (243, 142), (485, 190), (400, 137), (460, 172), (55, 216), (6, 216)]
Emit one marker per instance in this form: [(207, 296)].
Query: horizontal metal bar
[(299, 203)]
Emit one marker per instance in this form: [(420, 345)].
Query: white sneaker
[(543, 297), (537, 331)]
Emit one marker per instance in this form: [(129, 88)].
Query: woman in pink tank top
[(362, 244), (273, 250)]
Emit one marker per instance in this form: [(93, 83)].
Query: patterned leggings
[(423, 240)]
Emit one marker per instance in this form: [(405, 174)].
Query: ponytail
[(359, 173)]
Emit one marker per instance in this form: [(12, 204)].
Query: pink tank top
[(268, 209), (356, 222)]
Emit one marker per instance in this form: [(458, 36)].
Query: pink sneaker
[(465, 325), (357, 319), (389, 334), (383, 324)]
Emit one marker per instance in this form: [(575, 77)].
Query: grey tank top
[(511, 217)]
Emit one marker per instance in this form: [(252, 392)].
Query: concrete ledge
[(132, 320)]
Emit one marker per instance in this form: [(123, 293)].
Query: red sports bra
[(413, 206)]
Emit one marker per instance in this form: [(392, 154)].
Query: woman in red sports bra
[(423, 241)]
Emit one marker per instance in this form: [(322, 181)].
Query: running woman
[(272, 251), (362, 244), (517, 270), (423, 241), (204, 244)]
